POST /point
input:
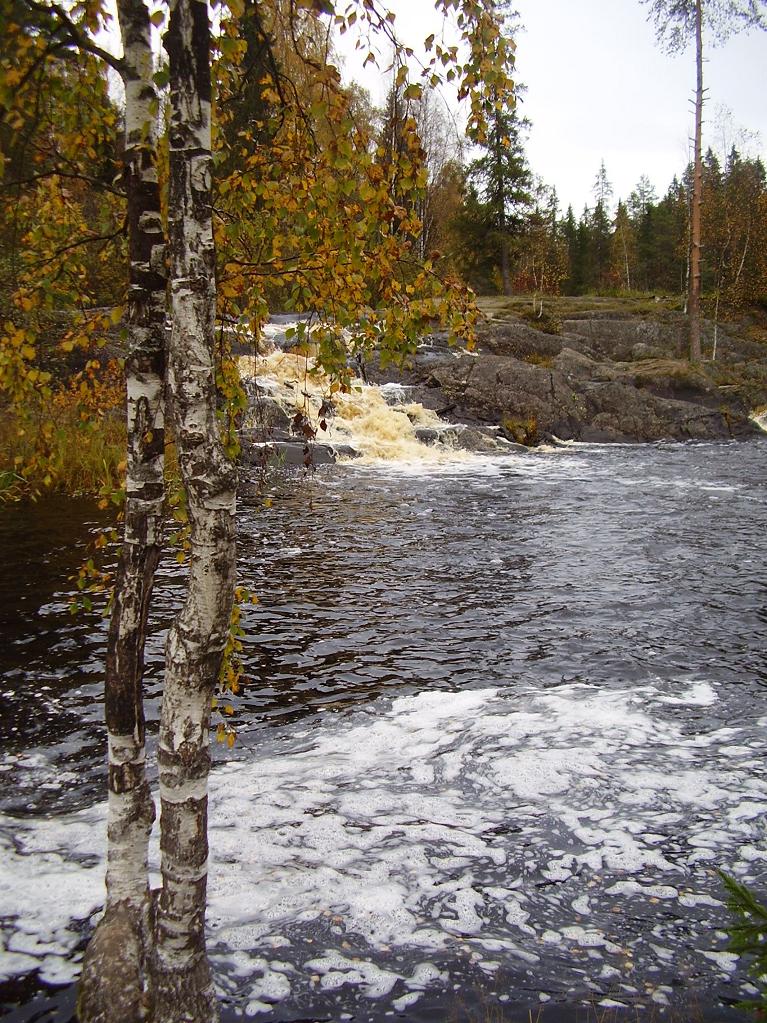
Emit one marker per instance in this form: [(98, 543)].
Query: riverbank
[(595, 370), (588, 369)]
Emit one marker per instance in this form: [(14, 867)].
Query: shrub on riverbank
[(748, 936), (68, 438)]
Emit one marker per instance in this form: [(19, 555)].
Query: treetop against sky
[(598, 87)]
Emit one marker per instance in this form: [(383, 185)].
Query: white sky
[(600, 87)]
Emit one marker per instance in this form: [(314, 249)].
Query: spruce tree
[(501, 181)]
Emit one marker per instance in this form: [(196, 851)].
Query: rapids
[(369, 423), (505, 717)]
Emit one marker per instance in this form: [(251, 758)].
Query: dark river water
[(503, 720)]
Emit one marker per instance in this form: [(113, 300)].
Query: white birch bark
[(145, 382), (115, 977), (745, 253), (196, 641)]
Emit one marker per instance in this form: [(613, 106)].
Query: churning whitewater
[(369, 423)]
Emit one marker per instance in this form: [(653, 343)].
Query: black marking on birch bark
[(123, 698), (192, 842), (189, 763), (128, 778)]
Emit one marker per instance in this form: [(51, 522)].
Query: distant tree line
[(501, 229)]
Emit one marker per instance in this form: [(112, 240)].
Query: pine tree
[(569, 230), (641, 199)]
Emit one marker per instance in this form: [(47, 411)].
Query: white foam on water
[(429, 824), (697, 694), (51, 881), (395, 394), (333, 970), (726, 961), (442, 462)]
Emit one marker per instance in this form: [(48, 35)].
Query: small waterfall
[(379, 429), (291, 399), (395, 394)]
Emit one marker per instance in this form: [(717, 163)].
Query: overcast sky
[(598, 86)]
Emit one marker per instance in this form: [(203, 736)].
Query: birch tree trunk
[(693, 306), (115, 976), (183, 985), (745, 253)]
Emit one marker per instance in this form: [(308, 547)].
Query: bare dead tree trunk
[(183, 985), (115, 973), (693, 307)]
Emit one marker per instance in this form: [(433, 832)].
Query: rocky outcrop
[(606, 378), (618, 379), (280, 450)]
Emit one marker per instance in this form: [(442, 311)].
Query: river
[(504, 718)]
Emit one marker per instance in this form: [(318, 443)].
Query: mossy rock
[(673, 378), (520, 431)]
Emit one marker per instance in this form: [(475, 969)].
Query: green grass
[(563, 307)]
